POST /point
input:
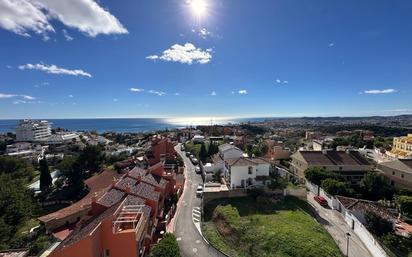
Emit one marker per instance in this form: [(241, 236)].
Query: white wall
[(239, 173)]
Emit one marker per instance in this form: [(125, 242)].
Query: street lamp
[(347, 243)]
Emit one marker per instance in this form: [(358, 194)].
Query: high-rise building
[(402, 147), (33, 130)]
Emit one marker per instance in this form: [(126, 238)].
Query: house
[(120, 230), (228, 151), (399, 172), (317, 145), (350, 164), (243, 172), (198, 139)]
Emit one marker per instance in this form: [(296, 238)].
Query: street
[(337, 228), (189, 216)]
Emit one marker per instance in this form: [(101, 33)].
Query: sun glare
[(199, 7)]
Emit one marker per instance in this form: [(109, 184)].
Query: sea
[(130, 124)]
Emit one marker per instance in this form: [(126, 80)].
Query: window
[(402, 175), (250, 170), (393, 173)]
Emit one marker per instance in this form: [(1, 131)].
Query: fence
[(359, 229), (317, 190)]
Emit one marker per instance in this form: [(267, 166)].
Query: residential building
[(399, 172), (161, 149), (276, 150), (402, 147), (317, 145), (198, 139), (350, 164), (33, 130), (243, 172), (228, 151), (120, 230)]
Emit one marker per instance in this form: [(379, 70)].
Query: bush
[(167, 247), (336, 187), (378, 225), (316, 175), (405, 203)]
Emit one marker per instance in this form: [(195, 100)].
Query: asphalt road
[(191, 242), (337, 228)]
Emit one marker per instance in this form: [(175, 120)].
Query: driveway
[(337, 228), (191, 242)]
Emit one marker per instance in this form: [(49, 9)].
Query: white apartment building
[(33, 130)]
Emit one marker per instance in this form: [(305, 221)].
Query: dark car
[(187, 154), (321, 200)]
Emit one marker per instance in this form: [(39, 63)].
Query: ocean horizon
[(128, 124)]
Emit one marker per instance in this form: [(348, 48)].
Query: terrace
[(131, 217)]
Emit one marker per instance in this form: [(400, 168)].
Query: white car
[(199, 190), (197, 169)]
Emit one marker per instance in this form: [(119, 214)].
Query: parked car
[(187, 154), (195, 161), (182, 147), (321, 200), (199, 190), (191, 156), (197, 169)]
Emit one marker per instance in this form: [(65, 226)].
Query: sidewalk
[(333, 222)]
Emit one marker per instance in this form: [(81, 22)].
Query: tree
[(167, 247), (277, 182), (46, 180), (316, 175), (73, 173), (91, 158), (374, 187), (336, 187), (203, 152), (378, 225), (213, 149), (17, 167), (405, 202)]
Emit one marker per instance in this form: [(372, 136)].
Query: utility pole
[(347, 243)]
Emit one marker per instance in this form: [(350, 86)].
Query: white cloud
[(279, 81), (53, 69), (177, 93), (159, 93), (67, 36), (2, 95), (19, 102), (9, 67), (331, 44), (133, 89), (28, 97), (203, 33), (242, 91), (383, 91), (186, 54), (24, 16), (213, 93), (25, 97), (115, 100), (70, 96)]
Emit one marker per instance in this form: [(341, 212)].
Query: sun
[(199, 7)]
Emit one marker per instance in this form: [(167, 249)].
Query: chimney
[(128, 188), (94, 197)]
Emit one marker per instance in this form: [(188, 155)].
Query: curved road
[(188, 217)]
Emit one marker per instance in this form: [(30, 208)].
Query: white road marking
[(195, 250), (197, 241), (178, 239)]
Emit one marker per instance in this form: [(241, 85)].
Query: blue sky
[(236, 58)]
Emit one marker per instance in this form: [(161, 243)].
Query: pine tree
[(45, 177), (203, 153)]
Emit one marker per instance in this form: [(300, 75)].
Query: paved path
[(337, 228), (188, 217)]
